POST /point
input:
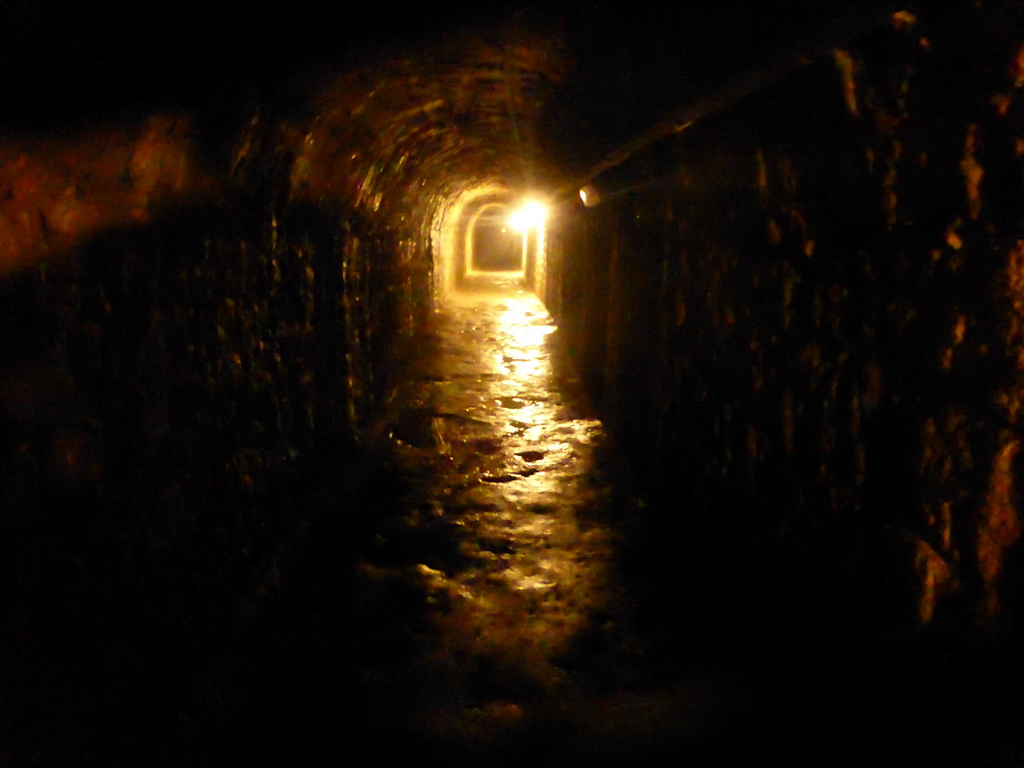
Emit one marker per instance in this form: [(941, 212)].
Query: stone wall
[(802, 316), (187, 378)]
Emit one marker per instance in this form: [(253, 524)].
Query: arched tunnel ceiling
[(401, 105), (537, 102), (65, 59), (434, 123)]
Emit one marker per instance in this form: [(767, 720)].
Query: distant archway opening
[(493, 244)]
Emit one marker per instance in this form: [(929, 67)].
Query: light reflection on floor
[(537, 522), (512, 457)]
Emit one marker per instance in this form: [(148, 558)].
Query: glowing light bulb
[(589, 196), (531, 216)]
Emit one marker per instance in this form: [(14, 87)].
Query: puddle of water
[(531, 455)]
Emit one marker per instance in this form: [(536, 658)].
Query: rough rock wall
[(184, 376), (803, 315)]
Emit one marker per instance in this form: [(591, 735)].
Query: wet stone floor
[(486, 591), (483, 614), (528, 569)]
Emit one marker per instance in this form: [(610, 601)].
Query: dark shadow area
[(174, 415), (69, 62)]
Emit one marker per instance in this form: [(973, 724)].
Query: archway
[(493, 245)]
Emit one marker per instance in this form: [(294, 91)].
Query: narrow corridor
[(540, 384), (486, 616), (510, 449)]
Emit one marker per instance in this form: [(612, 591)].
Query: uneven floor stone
[(484, 615)]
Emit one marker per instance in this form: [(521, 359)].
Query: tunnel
[(548, 383)]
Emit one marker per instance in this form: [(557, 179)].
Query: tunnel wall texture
[(192, 362), (202, 312), (803, 318)]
